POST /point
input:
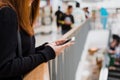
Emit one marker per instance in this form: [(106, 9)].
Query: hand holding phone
[(60, 45)]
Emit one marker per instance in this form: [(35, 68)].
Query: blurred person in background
[(47, 17), (78, 14), (104, 17), (67, 20), (58, 15), (87, 13), (17, 17), (112, 50)]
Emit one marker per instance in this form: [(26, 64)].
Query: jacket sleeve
[(41, 47), (10, 64)]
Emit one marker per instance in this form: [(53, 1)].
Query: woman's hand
[(58, 48), (112, 51)]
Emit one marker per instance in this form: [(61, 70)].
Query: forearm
[(20, 66)]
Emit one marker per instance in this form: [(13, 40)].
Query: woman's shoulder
[(5, 7), (8, 17), (7, 10)]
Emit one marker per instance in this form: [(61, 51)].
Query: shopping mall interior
[(96, 31)]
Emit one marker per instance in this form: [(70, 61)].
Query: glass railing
[(65, 66)]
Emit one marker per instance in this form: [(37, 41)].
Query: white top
[(79, 16)]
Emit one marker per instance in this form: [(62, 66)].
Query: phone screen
[(71, 39)]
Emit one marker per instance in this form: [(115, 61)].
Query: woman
[(21, 15), (112, 51)]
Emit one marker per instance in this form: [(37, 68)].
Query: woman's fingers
[(60, 41), (59, 48), (67, 44)]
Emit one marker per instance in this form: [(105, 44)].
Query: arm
[(41, 47), (111, 51), (10, 64), (56, 13), (61, 21), (72, 18)]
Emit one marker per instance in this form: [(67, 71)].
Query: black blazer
[(12, 67)]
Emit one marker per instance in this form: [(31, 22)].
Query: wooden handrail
[(39, 73)]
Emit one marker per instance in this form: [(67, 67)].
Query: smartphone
[(71, 39)]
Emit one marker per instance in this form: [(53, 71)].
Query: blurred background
[(96, 26), (46, 24)]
